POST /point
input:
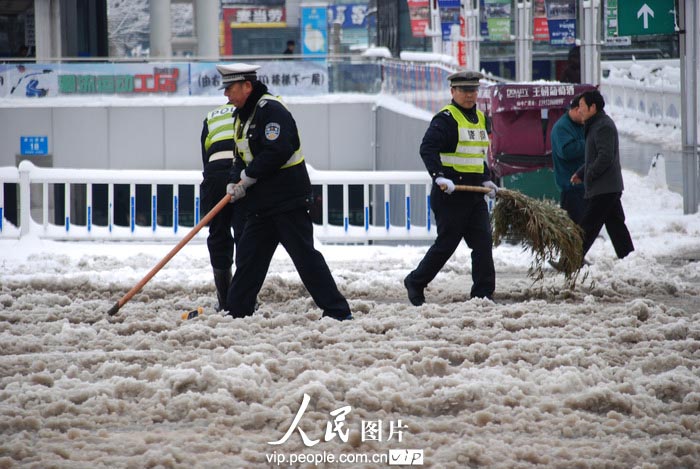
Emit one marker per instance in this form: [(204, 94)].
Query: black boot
[(222, 280)]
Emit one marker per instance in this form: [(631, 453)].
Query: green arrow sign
[(640, 17)]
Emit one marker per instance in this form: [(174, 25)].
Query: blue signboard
[(314, 32), (562, 32), (449, 17), (34, 145)]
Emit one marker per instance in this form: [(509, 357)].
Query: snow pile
[(657, 74)]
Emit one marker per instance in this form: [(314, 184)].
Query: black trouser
[(261, 237), (220, 242), (572, 201), (606, 209), (460, 215)]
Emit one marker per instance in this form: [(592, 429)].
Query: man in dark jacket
[(568, 155), (602, 177), (454, 153), (217, 161), (269, 171)]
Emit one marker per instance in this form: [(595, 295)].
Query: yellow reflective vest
[(473, 142), (241, 136), (219, 125)]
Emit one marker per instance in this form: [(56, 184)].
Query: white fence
[(644, 90), (86, 204)]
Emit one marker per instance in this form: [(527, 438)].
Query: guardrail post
[(25, 217)]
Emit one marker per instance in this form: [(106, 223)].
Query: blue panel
[(176, 216), (34, 145), (132, 210), (427, 212), (386, 215), (408, 212), (154, 212)]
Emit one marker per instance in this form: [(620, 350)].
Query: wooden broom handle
[(202, 223), (463, 188), (482, 189)]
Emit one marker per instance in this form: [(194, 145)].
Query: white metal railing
[(389, 201), (656, 100), (656, 105)]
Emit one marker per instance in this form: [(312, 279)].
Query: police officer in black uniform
[(270, 173), (217, 161), (454, 152)]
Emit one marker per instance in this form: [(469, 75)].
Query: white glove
[(236, 191), (246, 180), (445, 184), (492, 186)]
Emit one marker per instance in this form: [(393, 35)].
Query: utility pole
[(523, 41), (590, 42), (435, 27), (470, 15), (689, 19)]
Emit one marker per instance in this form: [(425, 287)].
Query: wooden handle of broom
[(217, 208), (463, 188)]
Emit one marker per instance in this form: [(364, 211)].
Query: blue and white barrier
[(390, 201)]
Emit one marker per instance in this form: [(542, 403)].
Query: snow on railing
[(89, 204), (645, 90)]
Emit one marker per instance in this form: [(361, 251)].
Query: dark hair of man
[(574, 102), (594, 97)]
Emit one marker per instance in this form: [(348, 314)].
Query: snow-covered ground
[(605, 375)]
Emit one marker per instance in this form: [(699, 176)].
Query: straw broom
[(546, 230)]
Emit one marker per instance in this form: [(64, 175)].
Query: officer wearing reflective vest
[(217, 161), (269, 172), (454, 152)]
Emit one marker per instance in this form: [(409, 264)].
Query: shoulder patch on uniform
[(262, 103), (272, 131), (447, 112)]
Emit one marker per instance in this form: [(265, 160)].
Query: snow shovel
[(545, 229), (217, 208)]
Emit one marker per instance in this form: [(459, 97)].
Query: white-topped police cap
[(465, 78), (231, 73)]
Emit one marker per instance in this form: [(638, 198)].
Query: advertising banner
[(277, 3), (283, 77), (520, 97), (540, 27), (419, 15), (314, 29), (52, 80), (248, 17), (349, 16), (561, 21), (256, 17), (449, 18), (497, 14), (33, 81), (353, 21)]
